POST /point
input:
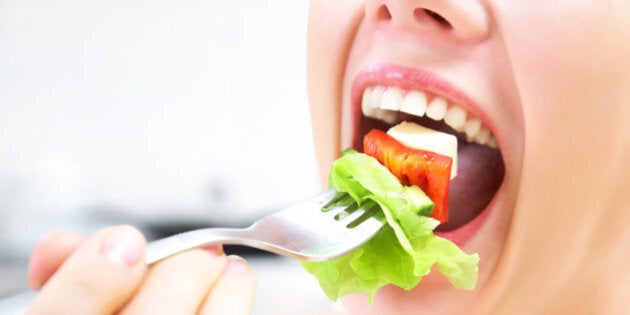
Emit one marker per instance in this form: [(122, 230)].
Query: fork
[(325, 227), (322, 228)]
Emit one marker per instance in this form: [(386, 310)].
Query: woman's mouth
[(383, 96)]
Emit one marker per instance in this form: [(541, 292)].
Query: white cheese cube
[(422, 138)]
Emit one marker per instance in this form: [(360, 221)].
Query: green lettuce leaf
[(404, 250)]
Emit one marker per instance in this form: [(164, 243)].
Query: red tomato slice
[(428, 170)]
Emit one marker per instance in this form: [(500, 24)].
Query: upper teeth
[(384, 103)]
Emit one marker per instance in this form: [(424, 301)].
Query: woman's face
[(540, 83)]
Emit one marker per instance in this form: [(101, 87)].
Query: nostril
[(383, 13), (422, 13)]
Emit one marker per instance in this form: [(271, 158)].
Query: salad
[(411, 187)]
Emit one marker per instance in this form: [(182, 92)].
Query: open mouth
[(385, 97)]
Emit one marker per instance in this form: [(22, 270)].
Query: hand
[(106, 274)]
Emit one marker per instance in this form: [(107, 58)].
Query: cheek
[(331, 27), (567, 68), (563, 58)]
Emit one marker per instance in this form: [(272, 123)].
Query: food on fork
[(411, 187), (418, 137), (413, 167)]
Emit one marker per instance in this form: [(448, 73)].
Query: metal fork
[(325, 227)]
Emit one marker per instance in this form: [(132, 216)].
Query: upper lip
[(409, 78)]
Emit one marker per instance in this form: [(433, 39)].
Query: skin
[(552, 76)]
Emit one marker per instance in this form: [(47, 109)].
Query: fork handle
[(165, 247)]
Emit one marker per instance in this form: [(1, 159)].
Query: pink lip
[(407, 78)]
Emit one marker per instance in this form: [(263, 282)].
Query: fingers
[(234, 293), (102, 275), (49, 254), (179, 284), (98, 277)]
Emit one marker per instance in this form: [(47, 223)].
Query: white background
[(156, 111), (153, 107)]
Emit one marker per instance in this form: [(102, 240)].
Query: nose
[(466, 20)]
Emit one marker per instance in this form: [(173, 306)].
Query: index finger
[(50, 253)]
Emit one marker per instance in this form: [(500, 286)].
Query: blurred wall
[(159, 110)]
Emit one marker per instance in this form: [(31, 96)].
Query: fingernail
[(123, 247), (214, 250), (236, 266)]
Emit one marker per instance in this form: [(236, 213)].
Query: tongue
[(479, 176)]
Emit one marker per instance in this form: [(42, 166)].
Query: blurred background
[(168, 115)]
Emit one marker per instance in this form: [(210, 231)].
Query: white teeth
[(455, 117), (384, 103), (492, 142), (371, 105), (377, 94), (415, 103), (392, 99), (471, 127), (437, 109), (367, 105), (387, 116), (482, 136)]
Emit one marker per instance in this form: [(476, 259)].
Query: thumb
[(98, 278)]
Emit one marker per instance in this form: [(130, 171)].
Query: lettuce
[(404, 250)]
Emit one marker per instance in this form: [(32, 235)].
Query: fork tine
[(347, 211), (350, 216), (356, 214), (339, 200), (370, 209)]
